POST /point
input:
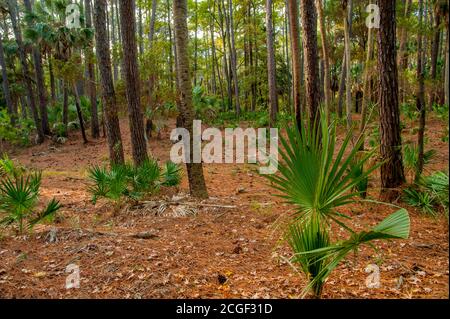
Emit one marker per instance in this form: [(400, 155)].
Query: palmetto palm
[(317, 176)]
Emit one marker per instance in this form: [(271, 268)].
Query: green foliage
[(126, 181), (409, 110), (419, 199), (18, 134), (430, 194), (441, 111), (411, 156), (317, 182), (19, 195), (171, 175)]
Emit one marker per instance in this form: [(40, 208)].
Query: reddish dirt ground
[(185, 256)]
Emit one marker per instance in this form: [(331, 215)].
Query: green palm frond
[(311, 177), (171, 175), (395, 226)]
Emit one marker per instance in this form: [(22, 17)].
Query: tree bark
[(392, 174), (184, 100), (309, 22), (420, 96), (109, 98), (271, 65), (296, 54), (95, 129), (347, 8), (12, 6), (132, 81), (326, 60), (234, 58), (5, 84)]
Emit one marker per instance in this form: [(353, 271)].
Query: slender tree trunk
[(12, 6), (435, 53), (234, 59), (79, 113), (5, 84), (195, 170), (366, 85), (403, 56), (132, 80), (109, 98), (326, 60), (113, 39), (309, 23), (392, 174), (296, 55), (342, 87), (95, 129), (39, 71), (447, 61), (52, 79), (195, 44), (213, 49), (347, 8), (420, 96), (65, 113), (224, 34), (271, 66)]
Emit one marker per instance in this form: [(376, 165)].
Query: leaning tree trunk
[(309, 22), (95, 130), (392, 174), (195, 170), (132, 80), (271, 66), (12, 6), (109, 98), (296, 62), (79, 113)]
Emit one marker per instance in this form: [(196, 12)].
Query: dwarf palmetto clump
[(430, 194), (317, 177), (127, 181), (19, 195)]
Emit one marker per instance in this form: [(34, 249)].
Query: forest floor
[(219, 252)]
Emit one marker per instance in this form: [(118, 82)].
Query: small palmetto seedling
[(19, 196), (171, 175), (423, 200), (317, 177), (126, 181)]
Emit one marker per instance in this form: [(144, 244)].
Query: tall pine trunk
[(420, 96), (309, 22), (392, 174), (326, 60), (109, 98), (296, 58), (95, 129), (132, 81), (184, 100), (271, 65)]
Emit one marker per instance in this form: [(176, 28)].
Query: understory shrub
[(19, 196), (317, 182), (126, 181)]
